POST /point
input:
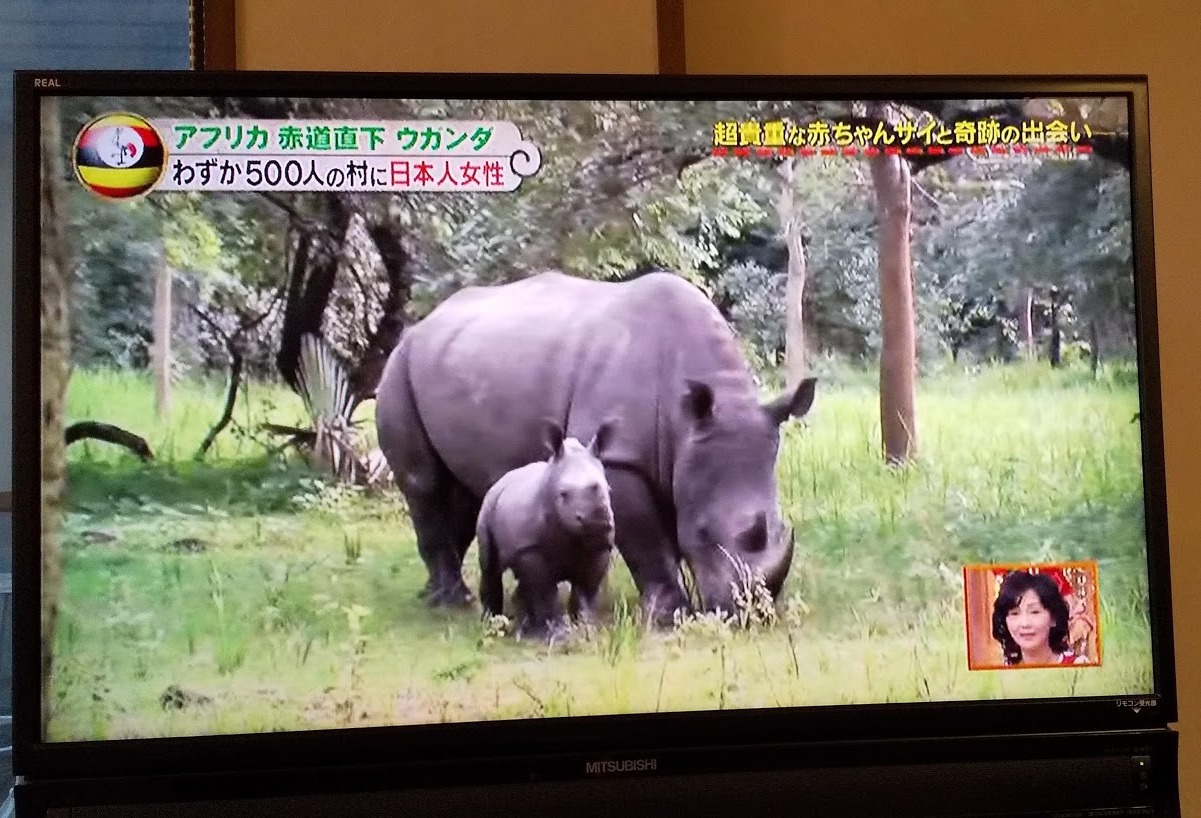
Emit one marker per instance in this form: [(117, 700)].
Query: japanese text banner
[(314, 155)]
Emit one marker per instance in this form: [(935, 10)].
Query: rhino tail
[(492, 592)]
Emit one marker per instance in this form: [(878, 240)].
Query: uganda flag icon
[(119, 156)]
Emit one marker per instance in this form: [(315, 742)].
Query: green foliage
[(225, 256), (609, 201), (626, 187), (842, 299), (113, 282), (756, 294), (190, 240), (997, 228)]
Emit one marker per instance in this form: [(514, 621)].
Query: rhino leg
[(444, 521), (541, 610), (492, 571), (442, 510), (444, 517), (647, 547), (465, 512), (586, 586)]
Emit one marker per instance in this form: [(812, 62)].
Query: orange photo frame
[(1077, 587)]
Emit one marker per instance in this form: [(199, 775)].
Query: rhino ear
[(795, 405), (603, 438), (698, 401), (552, 437)]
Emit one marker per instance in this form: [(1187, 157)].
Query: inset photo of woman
[(1032, 616)]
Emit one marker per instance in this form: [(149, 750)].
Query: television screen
[(408, 408)]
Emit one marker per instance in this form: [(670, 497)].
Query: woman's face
[(1030, 623)]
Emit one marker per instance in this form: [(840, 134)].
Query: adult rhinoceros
[(466, 395)]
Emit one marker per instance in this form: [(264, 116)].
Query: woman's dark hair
[(1013, 587)]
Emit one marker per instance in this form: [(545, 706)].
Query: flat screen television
[(406, 418)]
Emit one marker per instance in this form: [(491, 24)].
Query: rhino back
[(511, 508), (490, 365)]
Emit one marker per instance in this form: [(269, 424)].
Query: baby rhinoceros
[(548, 522)]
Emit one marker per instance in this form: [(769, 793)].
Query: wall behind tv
[(448, 35), (940, 36)]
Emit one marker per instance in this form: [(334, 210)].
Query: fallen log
[(94, 430)]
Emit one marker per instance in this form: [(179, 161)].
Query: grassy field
[(245, 593)]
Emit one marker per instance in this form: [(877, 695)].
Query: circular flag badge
[(119, 156)]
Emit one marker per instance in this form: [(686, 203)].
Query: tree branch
[(233, 348), (231, 397), (258, 319), (283, 204), (298, 435), (94, 430), (686, 159), (212, 322), (929, 197)]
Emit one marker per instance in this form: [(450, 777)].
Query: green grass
[(291, 603)]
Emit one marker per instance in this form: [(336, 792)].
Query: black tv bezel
[(790, 760), (602, 736)]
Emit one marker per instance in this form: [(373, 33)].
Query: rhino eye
[(562, 494)]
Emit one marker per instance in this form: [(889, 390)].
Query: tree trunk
[(794, 298), (311, 278), (55, 371), (1094, 344), (1056, 337), (898, 345), (364, 378), (1026, 322), (161, 351)]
